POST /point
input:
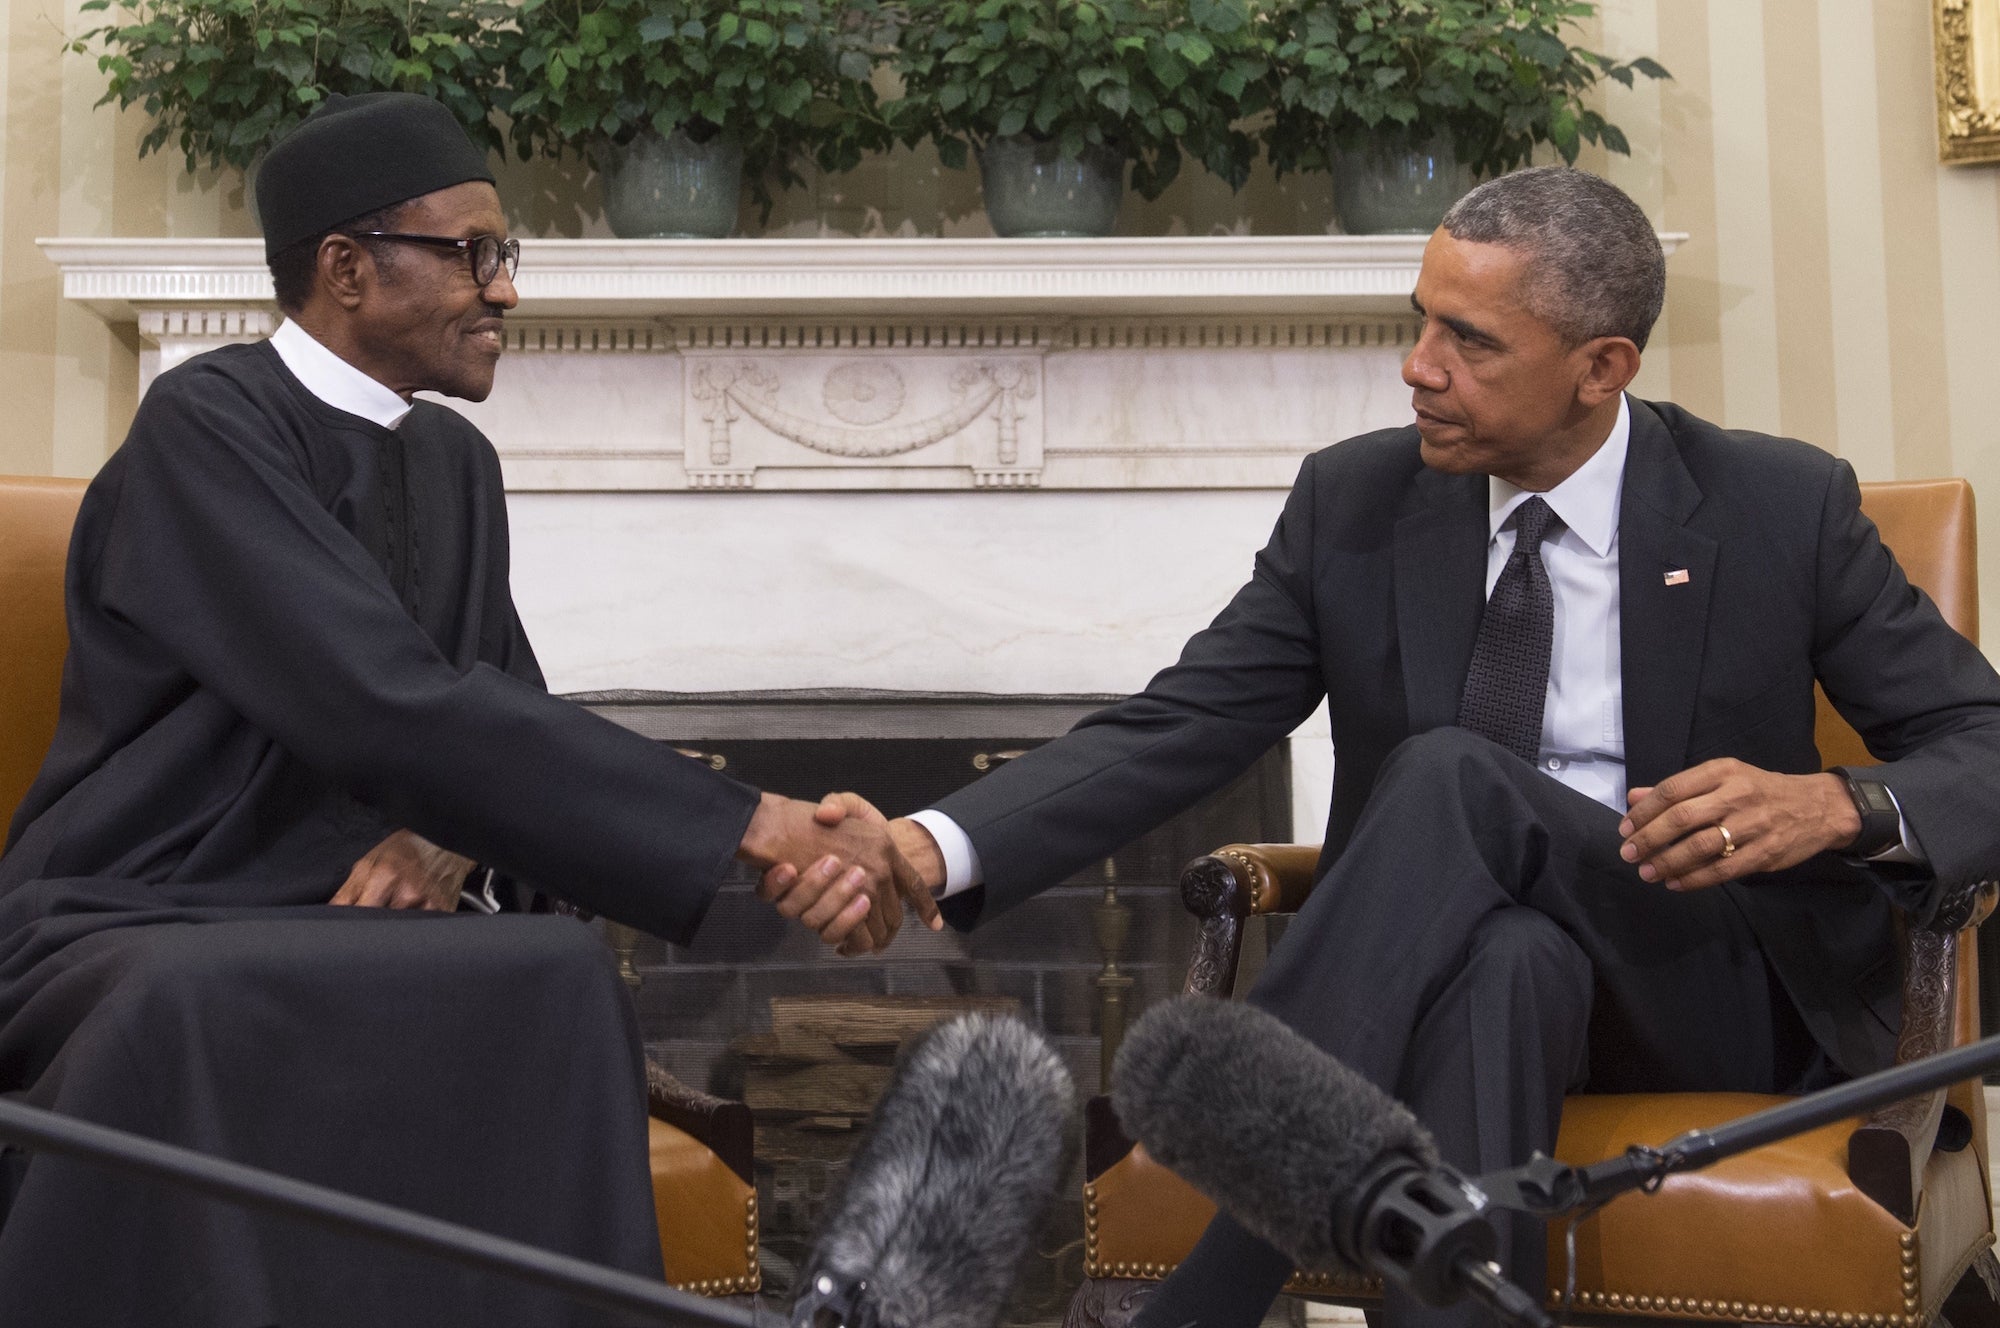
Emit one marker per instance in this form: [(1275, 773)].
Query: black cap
[(356, 155)]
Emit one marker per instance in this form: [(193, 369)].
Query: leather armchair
[(1885, 1222), (700, 1146)]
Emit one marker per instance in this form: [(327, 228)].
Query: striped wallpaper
[(1839, 285)]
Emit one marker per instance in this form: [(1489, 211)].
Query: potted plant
[(223, 79), (1406, 101), (676, 102), (1057, 96)]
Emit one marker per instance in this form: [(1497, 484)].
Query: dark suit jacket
[(1370, 592)]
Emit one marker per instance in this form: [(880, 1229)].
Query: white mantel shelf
[(880, 364), (1149, 276)]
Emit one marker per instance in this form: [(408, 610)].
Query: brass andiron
[(624, 942), (1112, 923)]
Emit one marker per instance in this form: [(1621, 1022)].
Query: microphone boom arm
[(1548, 1188), (233, 1182)]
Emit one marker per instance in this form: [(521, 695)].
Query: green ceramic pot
[(1393, 188), (672, 188), (1032, 189)]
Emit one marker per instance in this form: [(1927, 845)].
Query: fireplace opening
[(726, 1013)]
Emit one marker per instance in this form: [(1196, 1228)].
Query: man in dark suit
[(1568, 640)]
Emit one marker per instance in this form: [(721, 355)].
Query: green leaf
[(1562, 133)]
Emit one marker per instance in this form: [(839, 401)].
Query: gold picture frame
[(1968, 79)]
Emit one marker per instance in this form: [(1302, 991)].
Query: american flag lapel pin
[(1678, 577)]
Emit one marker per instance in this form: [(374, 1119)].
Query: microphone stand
[(1424, 1229), (233, 1182), (1548, 1188)]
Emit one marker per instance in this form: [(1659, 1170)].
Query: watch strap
[(1881, 823)]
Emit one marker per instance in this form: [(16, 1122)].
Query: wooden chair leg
[(1107, 1302), (1975, 1301)]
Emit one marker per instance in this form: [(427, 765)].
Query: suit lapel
[(1440, 565), (1663, 615)]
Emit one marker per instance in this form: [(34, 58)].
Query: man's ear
[(344, 269), (1610, 364)]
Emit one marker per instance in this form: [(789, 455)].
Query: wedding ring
[(1728, 840)]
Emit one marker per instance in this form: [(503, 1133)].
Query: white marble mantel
[(1021, 466), (1203, 363), (120, 278)]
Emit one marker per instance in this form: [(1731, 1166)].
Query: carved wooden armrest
[(1231, 884), (720, 1124), (1888, 1151)]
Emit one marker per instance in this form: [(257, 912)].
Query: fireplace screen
[(757, 1009)]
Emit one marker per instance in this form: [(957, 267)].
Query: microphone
[(958, 1160), (1307, 1154)]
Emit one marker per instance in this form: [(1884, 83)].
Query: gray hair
[(1594, 268)]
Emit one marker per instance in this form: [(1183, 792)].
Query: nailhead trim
[(753, 1274), (1683, 1306)]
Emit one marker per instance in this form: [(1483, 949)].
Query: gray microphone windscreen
[(958, 1162), (1273, 1129)]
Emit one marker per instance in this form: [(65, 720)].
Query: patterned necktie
[(1509, 677)]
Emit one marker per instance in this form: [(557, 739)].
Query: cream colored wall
[(1839, 284)]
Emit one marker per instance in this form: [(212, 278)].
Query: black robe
[(290, 634)]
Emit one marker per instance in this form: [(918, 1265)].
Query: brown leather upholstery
[(696, 1195), (35, 520), (1779, 1235), (708, 1214), (1773, 1235)]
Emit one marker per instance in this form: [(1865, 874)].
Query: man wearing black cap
[(295, 671)]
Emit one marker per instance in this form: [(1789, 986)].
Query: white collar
[(1587, 501), (335, 381)]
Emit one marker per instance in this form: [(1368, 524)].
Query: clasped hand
[(1673, 831), (835, 868), (405, 871)]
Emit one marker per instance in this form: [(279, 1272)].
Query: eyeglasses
[(487, 253)]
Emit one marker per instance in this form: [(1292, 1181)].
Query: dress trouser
[(1477, 950)]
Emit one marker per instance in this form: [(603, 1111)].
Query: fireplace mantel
[(121, 279), (1207, 362)]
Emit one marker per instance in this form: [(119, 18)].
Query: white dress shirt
[(335, 381), (1583, 717)]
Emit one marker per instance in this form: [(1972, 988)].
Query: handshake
[(838, 866), (843, 869)]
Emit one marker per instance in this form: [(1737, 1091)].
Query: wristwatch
[(1881, 823)]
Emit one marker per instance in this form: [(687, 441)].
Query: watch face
[(1877, 795)]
